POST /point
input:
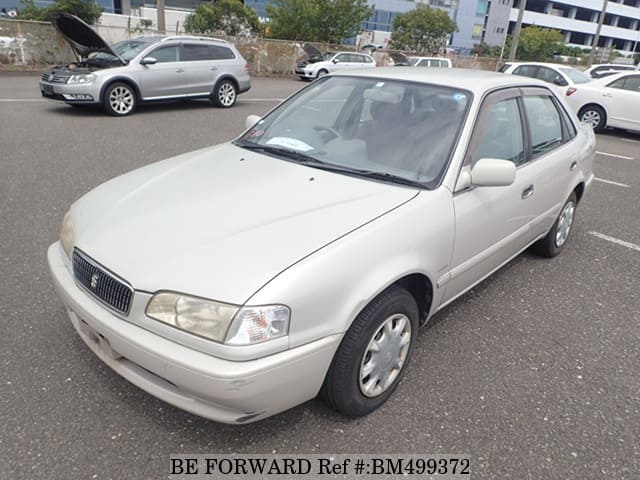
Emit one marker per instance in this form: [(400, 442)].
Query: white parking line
[(15, 100), (629, 245), (611, 182), (249, 99), (614, 155)]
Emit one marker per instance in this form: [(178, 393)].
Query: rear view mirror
[(251, 121), (493, 172), (148, 61)]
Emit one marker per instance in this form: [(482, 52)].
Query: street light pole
[(596, 39), (516, 32)]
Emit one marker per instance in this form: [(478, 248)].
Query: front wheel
[(555, 240), (373, 354), (594, 116), (225, 94), (322, 73), (119, 99)]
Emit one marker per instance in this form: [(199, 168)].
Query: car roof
[(476, 81), (543, 64)]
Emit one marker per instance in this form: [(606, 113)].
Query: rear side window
[(193, 53), (200, 52), (368, 59), (526, 71), (545, 124), (221, 53), (505, 67)]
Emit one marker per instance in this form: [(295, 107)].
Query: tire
[(321, 73), (120, 99), (594, 116), (390, 322), (553, 243), (224, 94)]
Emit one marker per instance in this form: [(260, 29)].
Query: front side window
[(165, 54), (631, 83), (545, 124), (502, 137), (387, 130), (344, 58)]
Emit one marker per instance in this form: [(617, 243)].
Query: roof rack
[(190, 37)]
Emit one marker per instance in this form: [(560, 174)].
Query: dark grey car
[(144, 69)]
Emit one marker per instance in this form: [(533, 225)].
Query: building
[(576, 19)]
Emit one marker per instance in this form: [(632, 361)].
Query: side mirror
[(493, 172), (335, 60), (251, 121), (148, 61), (561, 82)]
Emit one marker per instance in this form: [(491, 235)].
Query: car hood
[(83, 39), (221, 222)]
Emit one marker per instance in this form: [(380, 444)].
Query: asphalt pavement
[(533, 374)]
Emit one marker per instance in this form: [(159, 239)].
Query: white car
[(612, 101), (240, 280), (606, 69), (330, 62), (564, 78), (437, 62)]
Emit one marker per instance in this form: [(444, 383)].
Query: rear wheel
[(119, 99), (552, 244), (224, 94), (594, 116), (373, 354)]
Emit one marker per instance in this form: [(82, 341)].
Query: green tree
[(539, 44), (88, 11), (422, 30), (229, 16), (328, 21)]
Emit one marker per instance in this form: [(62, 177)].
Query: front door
[(165, 78)]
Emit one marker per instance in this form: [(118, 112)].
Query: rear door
[(204, 63), (493, 224), (165, 78), (554, 156), (622, 99)]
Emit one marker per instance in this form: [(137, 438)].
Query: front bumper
[(218, 389), (75, 93), (305, 73)]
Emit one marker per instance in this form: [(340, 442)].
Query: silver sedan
[(302, 258)]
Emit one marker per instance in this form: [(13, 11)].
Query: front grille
[(54, 78), (102, 284)]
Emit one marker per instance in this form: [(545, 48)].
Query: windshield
[(576, 76), (387, 129), (128, 49)]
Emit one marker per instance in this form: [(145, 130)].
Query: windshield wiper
[(330, 167), (279, 151)]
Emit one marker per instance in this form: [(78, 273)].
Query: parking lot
[(533, 374)]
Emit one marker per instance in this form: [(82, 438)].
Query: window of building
[(477, 31)]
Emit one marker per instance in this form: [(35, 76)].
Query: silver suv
[(144, 69)]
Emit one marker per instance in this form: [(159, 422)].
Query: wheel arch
[(594, 104), (125, 80), (224, 77), (421, 288), (579, 191)]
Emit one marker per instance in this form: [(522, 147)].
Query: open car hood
[(311, 51), (83, 39)]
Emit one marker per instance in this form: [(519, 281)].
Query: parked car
[(563, 77), (318, 64), (390, 58), (606, 69), (121, 76), (438, 62), (610, 101), (302, 257)]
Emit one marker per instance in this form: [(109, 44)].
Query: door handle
[(527, 192), (179, 70), (573, 165), (213, 69), (607, 94)]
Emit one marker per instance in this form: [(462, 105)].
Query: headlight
[(66, 234), (76, 79), (221, 322)]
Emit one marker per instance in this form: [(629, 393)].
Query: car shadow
[(619, 133), (143, 109)]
